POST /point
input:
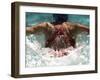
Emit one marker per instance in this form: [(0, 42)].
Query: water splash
[(39, 56)]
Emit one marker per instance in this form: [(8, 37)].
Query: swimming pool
[(39, 56)]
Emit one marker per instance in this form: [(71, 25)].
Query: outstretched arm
[(82, 28), (41, 26), (76, 27)]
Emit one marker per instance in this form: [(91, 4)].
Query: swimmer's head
[(60, 18)]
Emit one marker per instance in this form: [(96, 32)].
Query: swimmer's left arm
[(76, 27), (82, 27)]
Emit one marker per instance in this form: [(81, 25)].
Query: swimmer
[(60, 34)]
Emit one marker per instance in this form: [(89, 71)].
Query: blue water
[(38, 56), (35, 18)]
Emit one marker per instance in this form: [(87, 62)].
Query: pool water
[(38, 56)]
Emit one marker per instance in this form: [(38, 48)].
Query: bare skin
[(59, 36)]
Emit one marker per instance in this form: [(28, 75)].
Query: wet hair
[(60, 18)]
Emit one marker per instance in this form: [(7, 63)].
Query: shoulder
[(70, 25)]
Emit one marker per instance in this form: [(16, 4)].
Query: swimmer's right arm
[(41, 26)]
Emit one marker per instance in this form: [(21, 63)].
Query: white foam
[(37, 56)]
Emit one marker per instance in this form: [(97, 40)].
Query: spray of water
[(38, 56)]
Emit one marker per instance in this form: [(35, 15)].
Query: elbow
[(29, 30), (86, 30)]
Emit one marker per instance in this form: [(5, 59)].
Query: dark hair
[(60, 18)]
